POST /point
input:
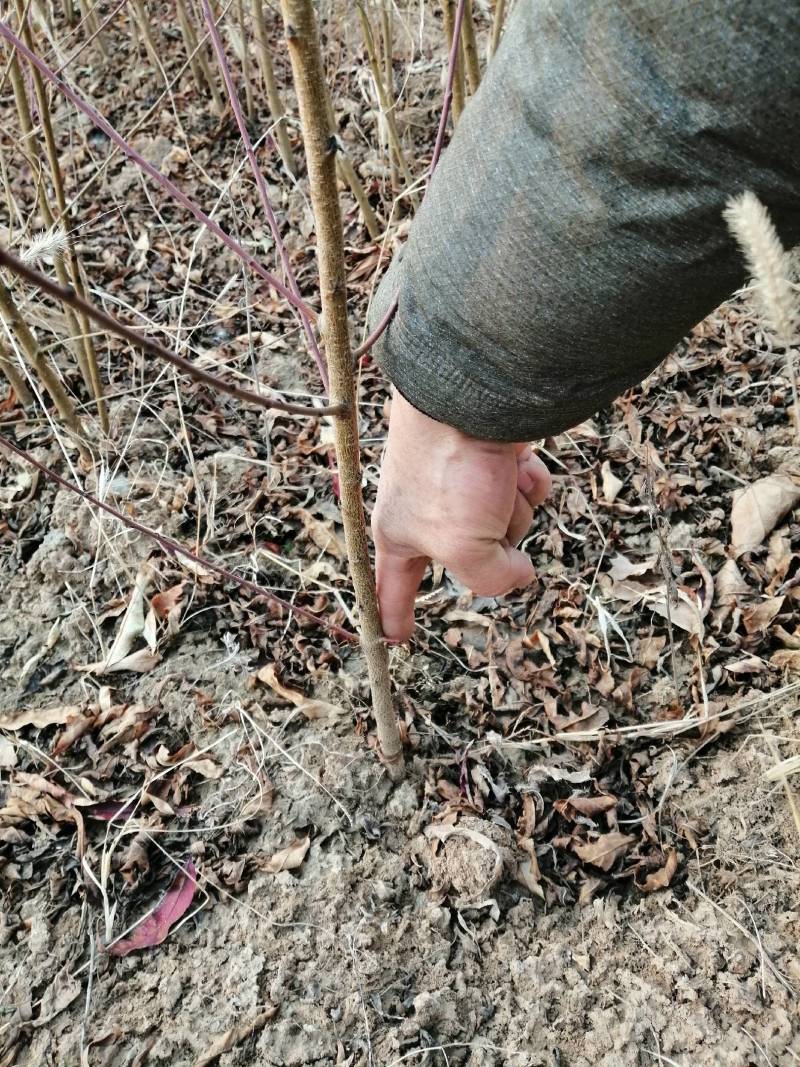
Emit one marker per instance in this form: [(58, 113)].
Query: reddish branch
[(261, 185), (153, 348), (148, 168), (175, 548), (448, 92)]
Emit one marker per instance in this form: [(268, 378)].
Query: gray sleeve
[(573, 231)]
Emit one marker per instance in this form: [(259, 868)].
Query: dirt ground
[(587, 863)]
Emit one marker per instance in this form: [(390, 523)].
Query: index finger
[(398, 579)]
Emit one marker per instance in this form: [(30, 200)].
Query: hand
[(446, 496)]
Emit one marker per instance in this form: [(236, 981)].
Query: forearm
[(573, 231)]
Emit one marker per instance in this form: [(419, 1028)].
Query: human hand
[(449, 497)]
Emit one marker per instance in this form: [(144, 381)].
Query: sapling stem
[(14, 378), (274, 101), (386, 103), (497, 28), (470, 46), (43, 368), (84, 345), (309, 79), (197, 58), (453, 18)]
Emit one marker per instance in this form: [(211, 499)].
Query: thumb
[(495, 570), (397, 580)]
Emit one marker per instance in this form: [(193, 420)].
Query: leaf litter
[(586, 652)]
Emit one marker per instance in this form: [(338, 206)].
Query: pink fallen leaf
[(155, 927), (112, 810)]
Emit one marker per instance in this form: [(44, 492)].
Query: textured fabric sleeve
[(573, 231)]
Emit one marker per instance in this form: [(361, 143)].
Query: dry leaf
[(17, 720), (321, 533), (153, 929), (312, 709), (661, 878), (605, 850), (758, 509), (786, 659), (289, 858), (233, 1037), (611, 483), (758, 617), (8, 754)]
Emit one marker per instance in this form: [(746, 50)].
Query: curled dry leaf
[(8, 754), (289, 858), (154, 928), (41, 717), (758, 509), (786, 659), (605, 850), (312, 709), (661, 878)]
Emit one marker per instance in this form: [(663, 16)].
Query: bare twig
[(454, 93), (261, 185), (452, 80), (306, 57), (149, 169), (497, 27), (153, 348), (276, 108), (175, 548)]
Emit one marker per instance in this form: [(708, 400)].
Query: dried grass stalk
[(386, 103), (274, 101), (306, 57), (497, 28)]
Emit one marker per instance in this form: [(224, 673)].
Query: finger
[(533, 478), (521, 519), (397, 581), (495, 570)]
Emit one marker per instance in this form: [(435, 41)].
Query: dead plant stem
[(309, 79)]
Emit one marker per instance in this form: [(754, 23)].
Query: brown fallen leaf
[(225, 1042), (41, 717), (289, 858), (786, 659), (321, 533), (757, 510), (729, 588), (578, 805), (757, 617), (661, 878), (605, 850), (311, 708)]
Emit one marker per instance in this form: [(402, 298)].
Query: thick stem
[(470, 49), (386, 104), (274, 101), (452, 26), (40, 364), (80, 330), (497, 28), (14, 378), (306, 57)]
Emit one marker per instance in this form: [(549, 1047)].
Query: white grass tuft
[(45, 245)]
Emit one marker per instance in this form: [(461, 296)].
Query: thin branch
[(175, 548), (261, 185), (452, 66), (151, 347), (150, 170)]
